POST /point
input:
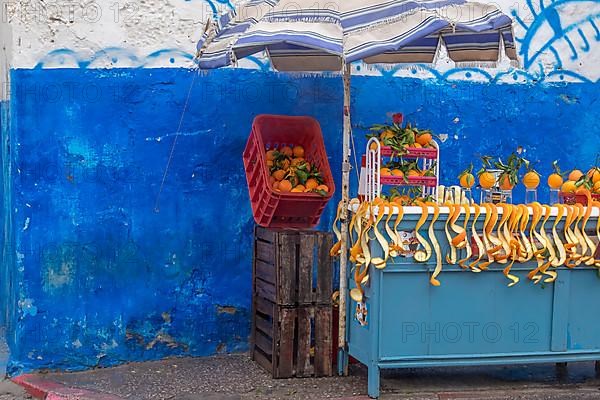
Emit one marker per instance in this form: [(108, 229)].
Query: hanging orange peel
[(379, 262), (507, 236), (450, 258), (388, 229), (436, 246), (562, 254), (516, 234), (488, 225), (528, 253), (337, 247), (548, 247), (495, 242), (467, 246), (359, 251), (582, 248), (597, 261), (459, 241), (571, 245), (422, 255), (588, 259), (476, 238), (504, 234), (398, 247), (538, 253)]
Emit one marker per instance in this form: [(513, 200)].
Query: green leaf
[(302, 176)]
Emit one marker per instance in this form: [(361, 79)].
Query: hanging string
[(162, 183)]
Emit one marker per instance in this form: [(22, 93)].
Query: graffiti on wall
[(563, 31)]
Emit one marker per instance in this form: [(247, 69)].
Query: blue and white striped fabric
[(304, 35)]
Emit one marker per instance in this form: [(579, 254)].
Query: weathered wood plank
[(264, 306), (323, 342), (265, 271), (285, 348), (252, 332), (264, 343), (287, 269), (324, 269), (265, 290), (263, 325), (262, 360), (268, 235), (265, 252), (303, 362), (306, 264)]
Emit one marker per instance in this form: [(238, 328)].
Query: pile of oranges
[(576, 181), (400, 138), (405, 169), (290, 172)]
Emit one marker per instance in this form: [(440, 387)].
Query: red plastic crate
[(411, 152), (572, 198), (428, 181), (285, 210)]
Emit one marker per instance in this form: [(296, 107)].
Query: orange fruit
[(575, 175), (285, 164), (385, 172), (323, 188), (467, 180), (285, 185), (300, 187), (487, 180), (297, 161), (279, 174), (287, 150), (424, 139), (297, 190), (397, 172), (597, 187), (417, 145), (373, 146), (275, 185), (505, 183), (414, 172), (270, 155), (555, 181), (582, 191), (568, 187), (298, 151), (269, 163), (311, 183), (594, 174), (531, 180), (387, 134)]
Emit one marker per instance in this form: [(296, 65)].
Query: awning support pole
[(343, 356)]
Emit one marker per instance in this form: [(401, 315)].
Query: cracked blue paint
[(113, 280)]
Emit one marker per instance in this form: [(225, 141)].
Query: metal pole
[(344, 221)]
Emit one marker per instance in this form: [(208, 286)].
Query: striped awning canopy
[(308, 35)]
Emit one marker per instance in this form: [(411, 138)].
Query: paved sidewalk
[(12, 391), (236, 377)]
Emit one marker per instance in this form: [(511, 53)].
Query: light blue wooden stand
[(472, 318)]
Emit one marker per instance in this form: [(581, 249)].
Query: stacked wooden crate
[(292, 285)]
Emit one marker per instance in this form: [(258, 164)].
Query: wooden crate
[(292, 341), (292, 267)]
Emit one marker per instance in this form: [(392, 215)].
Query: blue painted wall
[(102, 278)]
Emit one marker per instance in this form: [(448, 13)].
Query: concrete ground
[(12, 391), (236, 377)]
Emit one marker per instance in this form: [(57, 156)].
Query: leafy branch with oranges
[(292, 173)]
